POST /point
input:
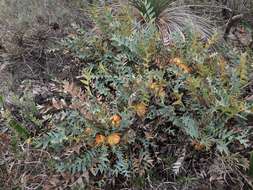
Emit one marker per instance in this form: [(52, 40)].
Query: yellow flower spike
[(141, 109), (211, 41), (100, 139), (113, 139), (116, 120), (178, 97), (222, 64), (198, 146), (178, 62), (161, 92), (88, 131), (155, 87), (29, 141)]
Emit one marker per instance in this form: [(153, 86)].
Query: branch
[(231, 22)]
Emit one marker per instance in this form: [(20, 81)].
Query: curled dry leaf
[(161, 93), (74, 90), (58, 104), (4, 142), (79, 107), (249, 98)]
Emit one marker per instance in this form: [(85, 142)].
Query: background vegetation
[(139, 94)]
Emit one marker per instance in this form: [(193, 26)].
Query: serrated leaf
[(191, 126)]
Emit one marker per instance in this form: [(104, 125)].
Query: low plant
[(137, 97)]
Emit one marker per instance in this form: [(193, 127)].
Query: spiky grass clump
[(172, 19), (239, 6)]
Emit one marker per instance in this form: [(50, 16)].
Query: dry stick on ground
[(231, 22)]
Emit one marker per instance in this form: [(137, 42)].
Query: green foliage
[(251, 165), (22, 119), (154, 90), (27, 109), (151, 9), (1, 101), (20, 130), (151, 97)]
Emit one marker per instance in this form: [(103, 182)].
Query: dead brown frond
[(229, 169)]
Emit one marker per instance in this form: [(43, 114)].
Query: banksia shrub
[(137, 97), (151, 100)]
